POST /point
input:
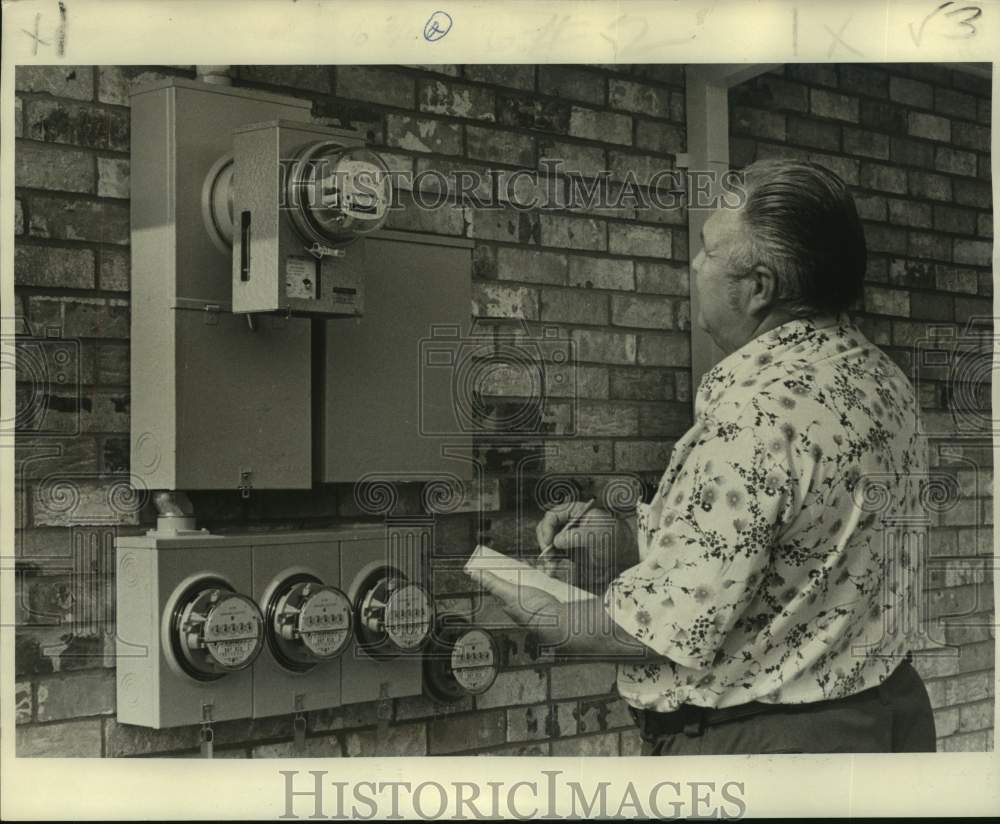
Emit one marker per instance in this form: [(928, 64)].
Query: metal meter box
[(196, 615), (382, 407), (153, 687), (217, 403), (298, 217)]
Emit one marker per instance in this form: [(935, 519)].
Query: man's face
[(721, 304)]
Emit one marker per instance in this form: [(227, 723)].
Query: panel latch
[(246, 482)]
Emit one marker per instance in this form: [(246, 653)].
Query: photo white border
[(239, 32)]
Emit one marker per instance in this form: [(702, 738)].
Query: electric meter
[(215, 630), (291, 205), (307, 622), (393, 615), (459, 660)]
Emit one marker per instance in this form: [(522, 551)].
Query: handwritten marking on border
[(973, 12), (34, 36), (437, 26), (839, 40)]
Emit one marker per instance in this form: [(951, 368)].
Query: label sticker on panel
[(301, 278)]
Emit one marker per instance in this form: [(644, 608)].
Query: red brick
[(644, 169), (575, 158), (871, 207), (75, 696), (863, 79), (910, 213), (886, 117), (23, 702), (603, 745), (816, 134), (418, 134), (605, 347), (638, 240), (607, 127), (883, 178), (767, 91), (953, 279), (531, 266), (642, 384), (642, 311), (413, 218), (56, 169), (79, 124), (495, 300), (955, 104), (591, 382), (63, 219), (530, 723), (114, 270), (820, 74), (911, 92), (888, 239), (830, 104), (604, 714), (664, 350), (574, 306), (955, 161), (405, 740), (607, 420), (511, 225), (532, 113), (626, 95), (74, 739), (662, 278), (640, 456), (308, 78), (929, 126), (112, 177), (759, 123), (76, 82), (81, 317), (984, 225), (326, 746), (930, 186), (454, 100), (498, 146), (973, 252), (911, 152), (579, 456), (866, 144), (435, 175), (576, 680), (959, 221), (573, 232), (970, 136), (50, 266), (572, 83), (846, 168), (512, 75), (447, 735), (973, 193), (929, 245)]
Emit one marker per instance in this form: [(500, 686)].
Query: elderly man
[(768, 611)]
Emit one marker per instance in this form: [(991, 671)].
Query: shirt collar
[(770, 348)]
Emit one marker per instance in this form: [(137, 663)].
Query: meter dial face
[(394, 615), (474, 662), (215, 630), (338, 193), (308, 622), (407, 620)]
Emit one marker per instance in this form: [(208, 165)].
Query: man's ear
[(764, 289)]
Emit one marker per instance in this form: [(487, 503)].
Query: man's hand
[(527, 606)]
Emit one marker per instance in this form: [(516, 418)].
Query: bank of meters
[(214, 630), (293, 203)]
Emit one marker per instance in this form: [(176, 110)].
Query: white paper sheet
[(484, 559)]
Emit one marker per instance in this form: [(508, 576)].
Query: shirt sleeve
[(729, 500)]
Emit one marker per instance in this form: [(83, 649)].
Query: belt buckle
[(694, 724)]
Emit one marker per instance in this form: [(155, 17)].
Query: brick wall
[(615, 282)]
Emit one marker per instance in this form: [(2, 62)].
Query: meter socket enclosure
[(221, 627)]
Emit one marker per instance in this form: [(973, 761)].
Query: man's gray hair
[(802, 224)]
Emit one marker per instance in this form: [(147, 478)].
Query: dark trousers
[(895, 716)]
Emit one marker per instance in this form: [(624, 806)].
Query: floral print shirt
[(779, 558)]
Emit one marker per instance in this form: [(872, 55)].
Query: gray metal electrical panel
[(216, 404)]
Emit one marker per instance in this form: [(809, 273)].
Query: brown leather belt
[(692, 720)]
